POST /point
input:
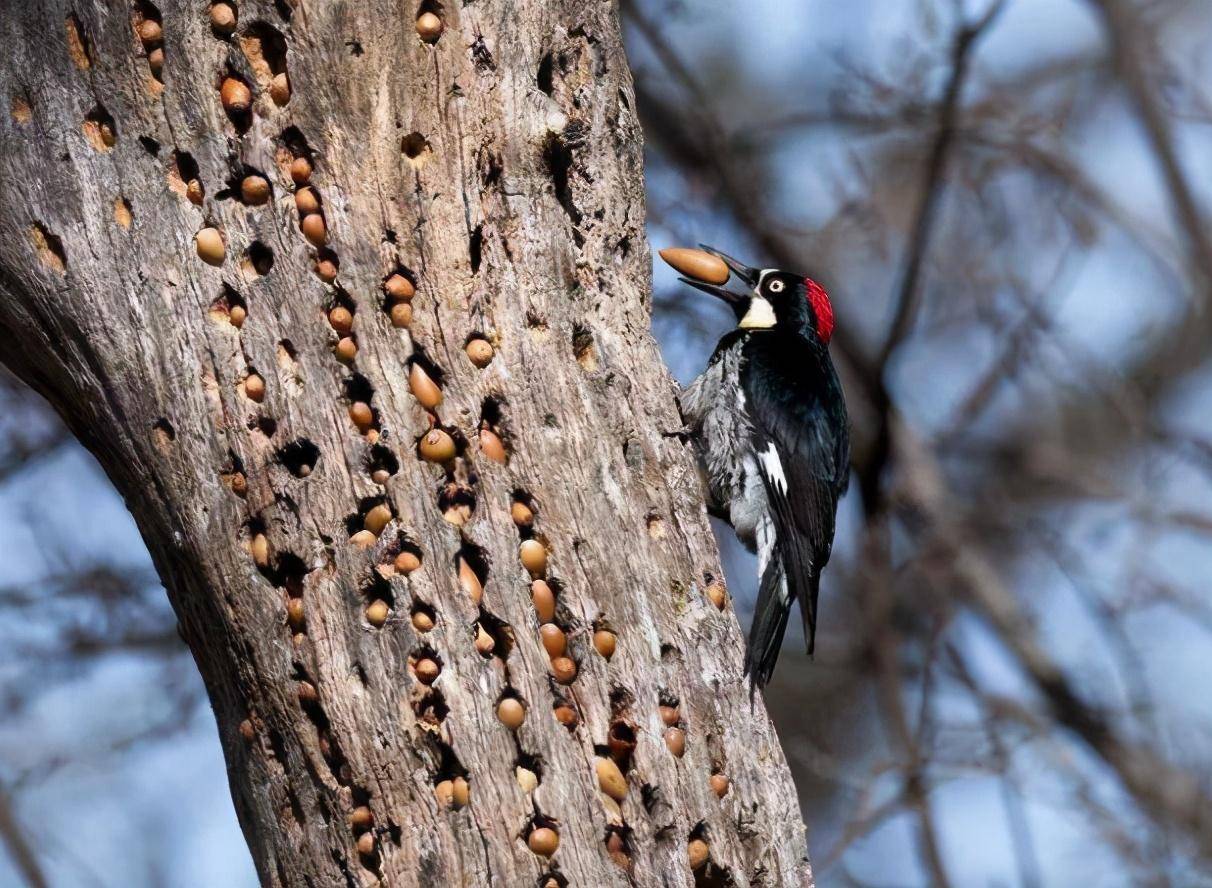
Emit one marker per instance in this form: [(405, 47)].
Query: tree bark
[(498, 169)]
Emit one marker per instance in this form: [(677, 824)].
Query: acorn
[(610, 778), (427, 671), (377, 518), (423, 388), (237, 315), (380, 476), (254, 387), (544, 600), (366, 844), (376, 613), (360, 819), (470, 581), (533, 556), (193, 192), (223, 18), (235, 96), (326, 270), (492, 446), (295, 616), (341, 319), (307, 201), (155, 61), (675, 739), (401, 314), (279, 89), (527, 779), (697, 853), (479, 352), (697, 264), (670, 715), (444, 792), (617, 848), (239, 484), (361, 415), (248, 730), (567, 716), (210, 246), (484, 642), (620, 738), (437, 447), (511, 713), (422, 621), (521, 514), (543, 841), (399, 287), (564, 670), (614, 814), (314, 229), (307, 692), (255, 190), (346, 349), (260, 550), (719, 785), (429, 27), (300, 170), (462, 792), (555, 642), (604, 641), (108, 137), (717, 594), (150, 33), (364, 539), (407, 561)]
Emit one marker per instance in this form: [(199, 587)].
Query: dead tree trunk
[(262, 415)]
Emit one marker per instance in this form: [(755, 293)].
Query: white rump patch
[(760, 315), (772, 466)]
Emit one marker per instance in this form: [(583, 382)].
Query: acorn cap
[(697, 264)]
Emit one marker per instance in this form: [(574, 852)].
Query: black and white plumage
[(768, 421)]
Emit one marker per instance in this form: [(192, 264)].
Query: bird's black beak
[(749, 276)]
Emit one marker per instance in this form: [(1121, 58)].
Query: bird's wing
[(802, 445)]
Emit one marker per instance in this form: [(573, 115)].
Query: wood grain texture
[(499, 168)]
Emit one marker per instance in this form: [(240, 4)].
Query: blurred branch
[(18, 848)]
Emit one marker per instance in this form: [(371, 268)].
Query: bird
[(767, 421)]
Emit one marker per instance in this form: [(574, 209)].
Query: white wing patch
[(772, 467)]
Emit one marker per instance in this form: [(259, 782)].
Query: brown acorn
[(543, 841), (254, 189), (564, 670), (407, 561), (604, 641), (314, 229), (377, 612), (223, 18), (697, 264), (437, 447), (675, 739), (479, 352), (527, 779), (326, 270), (567, 716), (533, 556), (194, 192), (611, 779), (491, 446), (361, 415), (150, 33), (364, 539), (399, 288), (484, 642), (377, 518), (155, 61), (401, 314), (423, 388), (511, 713), (719, 785), (444, 792), (346, 350), (470, 581), (295, 614), (307, 201), (521, 514), (544, 600), (210, 246), (422, 621), (237, 315), (717, 594), (341, 319), (461, 792), (670, 715), (697, 853), (429, 27), (427, 671), (260, 550), (360, 819), (555, 642), (279, 89), (235, 96), (300, 170), (254, 387), (620, 738), (307, 692), (366, 844)]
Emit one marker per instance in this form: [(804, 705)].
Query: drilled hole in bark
[(558, 158), (378, 589), (621, 700), (259, 258), (163, 434), (382, 464), (184, 178), (618, 845), (431, 709), (237, 103), (265, 48), (266, 425), (457, 503), (78, 46), (150, 145), (415, 148), (566, 713), (500, 632), (584, 348), (300, 457), (475, 246), (122, 212), (544, 75), (100, 128), (471, 557), (284, 8), (620, 738), (48, 247)]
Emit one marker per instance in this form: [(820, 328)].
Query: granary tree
[(351, 302)]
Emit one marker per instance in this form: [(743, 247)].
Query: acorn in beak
[(708, 269)]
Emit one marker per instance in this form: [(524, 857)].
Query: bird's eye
[(777, 286)]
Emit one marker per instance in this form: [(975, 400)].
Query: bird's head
[(772, 299)]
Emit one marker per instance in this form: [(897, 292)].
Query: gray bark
[(500, 166)]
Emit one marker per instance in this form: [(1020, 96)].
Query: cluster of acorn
[(341, 319), (307, 202), (374, 521), (533, 555), (361, 822), (151, 34), (399, 291)]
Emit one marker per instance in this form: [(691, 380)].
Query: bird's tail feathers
[(769, 624)]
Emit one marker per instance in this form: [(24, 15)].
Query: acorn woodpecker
[(768, 421)]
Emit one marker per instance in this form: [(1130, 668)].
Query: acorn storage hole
[(407, 556), (382, 464), (425, 665), (584, 348), (432, 709), (425, 380), (492, 437), (422, 616), (528, 771), (236, 97), (100, 128), (259, 258), (457, 503), (471, 568), (415, 148), (498, 631), (379, 600), (184, 177), (265, 49), (299, 457), (78, 45), (229, 307)]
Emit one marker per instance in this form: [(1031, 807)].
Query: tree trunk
[(496, 167)]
